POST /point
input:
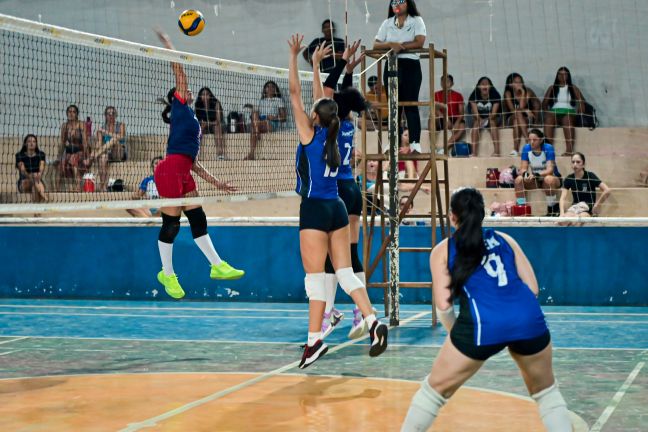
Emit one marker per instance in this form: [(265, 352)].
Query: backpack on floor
[(587, 119)]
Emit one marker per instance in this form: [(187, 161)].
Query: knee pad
[(197, 222), (428, 398), (356, 263), (170, 228), (328, 265), (315, 285), (553, 409), (348, 280)]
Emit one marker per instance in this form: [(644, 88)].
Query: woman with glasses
[(404, 30), (582, 185)]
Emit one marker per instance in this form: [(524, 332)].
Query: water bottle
[(232, 125)]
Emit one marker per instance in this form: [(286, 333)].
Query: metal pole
[(394, 265)]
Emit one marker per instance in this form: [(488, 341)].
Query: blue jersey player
[(496, 287), (323, 220)]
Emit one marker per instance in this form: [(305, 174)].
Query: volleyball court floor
[(196, 366)]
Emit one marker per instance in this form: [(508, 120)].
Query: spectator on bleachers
[(268, 116), (376, 90), (539, 171), (402, 202), (522, 109), (146, 190), (562, 101), (327, 64), (582, 185), (30, 163), (486, 109), (74, 152), (209, 112), (454, 107), (112, 147)]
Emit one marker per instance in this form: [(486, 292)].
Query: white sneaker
[(513, 153), (359, 326), (415, 147), (330, 321), (439, 151)]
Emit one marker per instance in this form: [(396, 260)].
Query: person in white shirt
[(404, 30), (268, 116)]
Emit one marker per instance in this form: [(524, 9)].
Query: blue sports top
[(538, 162), (185, 133), (345, 142), (500, 306), (314, 177)]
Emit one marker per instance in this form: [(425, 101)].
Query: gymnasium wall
[(574, 266), (603, 42)]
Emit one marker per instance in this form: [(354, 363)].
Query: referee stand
[(386, 217)]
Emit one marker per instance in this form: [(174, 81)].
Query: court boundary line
[(616, 399), (132, 427), (17, 338)]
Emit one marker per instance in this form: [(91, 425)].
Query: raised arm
[(319, 54), (180, 76), (302, 121)]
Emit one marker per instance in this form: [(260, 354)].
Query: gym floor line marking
[(17, 338), (616, 399), (9, 352), (153, 421)]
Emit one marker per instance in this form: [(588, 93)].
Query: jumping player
[(323, 220), (173, 180), (497, 288)]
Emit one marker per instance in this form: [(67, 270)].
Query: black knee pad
[(170, 228), (197, 222), (328, 266), (356, 263)]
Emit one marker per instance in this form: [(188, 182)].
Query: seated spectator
[(562, 101), (74, 152), (112, 136), (30, 163), (268, 116), (522, 108), (210, 115), (146, 190), (486, 108), (376, 90), (453, 107), (408, 169), (539, 170), (327, 64), (582, 185)]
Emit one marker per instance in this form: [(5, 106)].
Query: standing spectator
[(268, 116), (562, 101), (327, 64), (376, 91), (583, 186), (485, 105), (539, 170), (74, 152), (30, 163), (112, 136), (403, 30), (210, 115), (454, 107), (146, 190), (522, 108)]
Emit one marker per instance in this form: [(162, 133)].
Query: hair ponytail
[(468, 206), (166, 118), (327, 111)]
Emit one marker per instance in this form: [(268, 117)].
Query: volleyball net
[(94, 105)]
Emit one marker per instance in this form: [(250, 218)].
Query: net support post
[(394, 256)]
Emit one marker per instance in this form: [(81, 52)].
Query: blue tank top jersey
[(314, 178), (345, 142), (500, 306), (185, 133)]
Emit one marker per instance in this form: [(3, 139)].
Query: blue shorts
[(326, 215), (350, 194)]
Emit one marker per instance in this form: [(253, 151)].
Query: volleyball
[(191, 22)]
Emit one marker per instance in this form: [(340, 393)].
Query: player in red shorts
[(173, 180)]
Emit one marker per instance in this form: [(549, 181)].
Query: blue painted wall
[(574, 266)]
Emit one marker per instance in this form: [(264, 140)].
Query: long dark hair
[(468, 207), (327, 111), (167, 109), (509, 83), (24, 146), (556, 87), (76, 110), (493, 94), (411, 9), (350, 99), (210, 111), (277, 90)]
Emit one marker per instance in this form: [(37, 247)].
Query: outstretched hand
[(350, 50), (322, 51), (295, 43), (164, 38), (353, 62), (225, 186)]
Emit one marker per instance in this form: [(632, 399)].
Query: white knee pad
[(348, 280), (553, 409), (362, 277), (424, 408), (315, 286)]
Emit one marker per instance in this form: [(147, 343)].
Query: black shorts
[(524, 347), (350, 194), (322, 214)]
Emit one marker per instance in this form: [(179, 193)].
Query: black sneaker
[(553, 211), (311, 354), (378, 334)]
